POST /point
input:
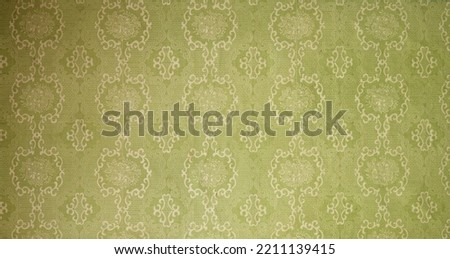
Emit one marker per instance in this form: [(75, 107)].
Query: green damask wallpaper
[(63, 64)]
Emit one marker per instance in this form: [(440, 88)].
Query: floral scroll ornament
[(210, 171), (444, 26), (117, 231), (382, 230), (6, 207), (382, 100), (253, 2), (37, 100), (340, 208), (424, 62), (79, 209), (298, 170), (297, 226), (339, 62), (216, 94), (294, 174), (296, 23), (340, 142), (166, 63), (166, 210), (305, 230), (444, 171), (114, 91), (127, 24), (209, 25), (36, 171), (28, 230), (123, 171), (211, 230), (253, 210), (424, 207), (252, 63), (382, 24), (253, 144), (166, 143), (79, 135), (32, 23), (424, 135), (300, 95), (446, 230), (79, 61), (444, 99), (382, 173)]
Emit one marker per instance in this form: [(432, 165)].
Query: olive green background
[(64, 63)]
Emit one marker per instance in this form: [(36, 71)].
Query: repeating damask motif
[(79, 208), (424, 135), (123, 173), (166, 210), (36, 169), (424, 62), (296, 174), (340, 208), (63, 64), (79, 135), (253, 210), (209, 26), (252, 63), (210, 174), (444, 99), (444, 170), (424, 207), (79, 61), (444, 26), (339, 62), (166, 63)]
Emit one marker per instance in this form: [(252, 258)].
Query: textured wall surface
[(64, 63)]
